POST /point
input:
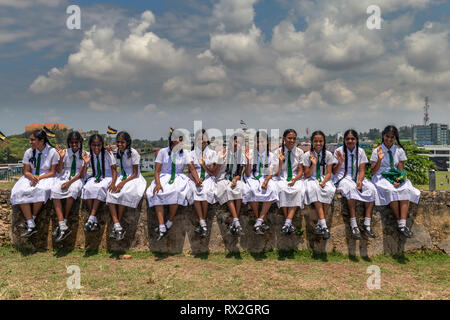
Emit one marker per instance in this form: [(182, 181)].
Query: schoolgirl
[(350, 181), (229, 185), (130, 185), (103, 178), (259, 185), (33, 189), (171, 185), (399, 192), (204, 160), (318, 164), (71, 170), (291, 186)]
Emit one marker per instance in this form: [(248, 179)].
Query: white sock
[(162, 228), (31, 223), (169, 224), (401, 223), (62, 225), (353, 223), (93, 219), (288, 222), (236, 222), (322, 223), (203, 223), (259, 222), (367, 222), (117, 226)]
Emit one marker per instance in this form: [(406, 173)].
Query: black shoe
[(56, 231), (368, 231), (317, 230), (259, 229), (324, 232), (356, 234), (161, 234), (405, 231), (29, 232), (90, 226), (118, 234), (24, 225), (235, 230), (204, 232), (63, 234)]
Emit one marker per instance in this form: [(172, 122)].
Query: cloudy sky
[(143, 66)]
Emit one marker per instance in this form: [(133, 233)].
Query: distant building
[(35, 126), (440, 155), (433, 134), (148, 160)]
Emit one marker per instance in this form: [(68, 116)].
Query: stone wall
[(430, 222)]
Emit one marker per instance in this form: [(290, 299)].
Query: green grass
[(273, 275), (441, 181)]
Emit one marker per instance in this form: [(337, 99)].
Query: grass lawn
[(441, 181), (273, 275)]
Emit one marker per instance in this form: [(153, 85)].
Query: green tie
[(99, 169), (202, 172), (231, 168), (353, 178), (289, 177), (73, 168), (391, 159), (260, 169), (38, 164), (172, 171), (318, 169), (124, 174)]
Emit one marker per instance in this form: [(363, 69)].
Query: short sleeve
[(135, 158), (306, 161), (187, 157), (374, 157), (330, 159), (299, 155), (401, 154), (159, 157), (363, 156), (112, 159), (27, 156), (54, 156)]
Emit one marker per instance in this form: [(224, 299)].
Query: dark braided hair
[(125, 136), (355, 134), (286, 132), (91, 140), (261, 134), (200, 132), (230, 153), (40, 135), (394, 130), (77, 136), (324, 148)]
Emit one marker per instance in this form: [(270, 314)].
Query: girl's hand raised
[(340, 157), (281, 155), (380, 153), (61, 152), (313, 158), (86, 157)]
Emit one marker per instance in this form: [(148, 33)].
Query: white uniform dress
[(206, 192), (347, 184), (224, 192), (98, 190), (386, 192), (132, 192), (22, 192), (314, 192), (290, 196), (252, 186), (74, 190), (179, 192)]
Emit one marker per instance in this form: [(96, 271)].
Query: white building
[(440, 154)]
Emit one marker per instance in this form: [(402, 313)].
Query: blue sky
[(274, 63)]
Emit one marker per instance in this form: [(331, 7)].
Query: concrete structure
[(429, 220), (440, 155)]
